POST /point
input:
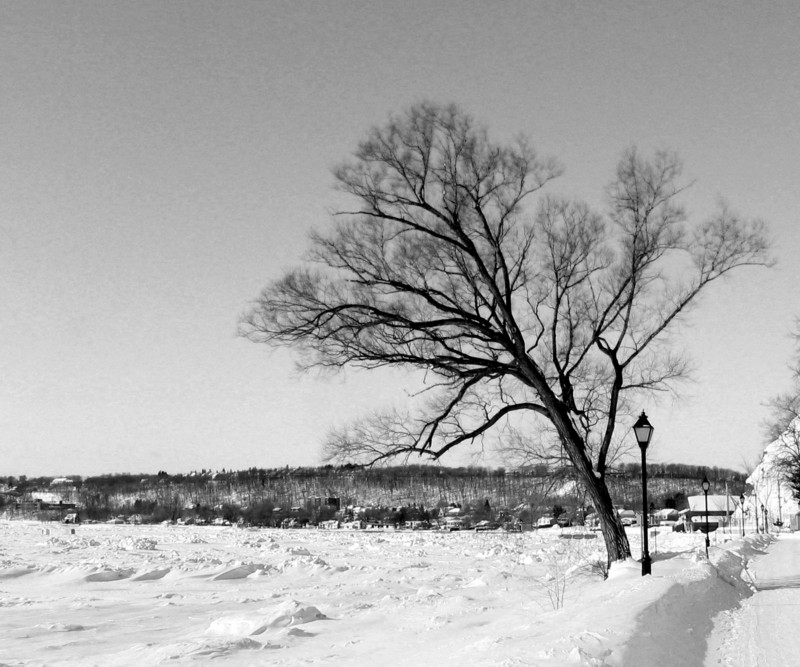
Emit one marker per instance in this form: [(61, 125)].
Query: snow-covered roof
[(715, 503)]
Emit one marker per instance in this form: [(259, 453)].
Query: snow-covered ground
[(146, 595), (762, 632)]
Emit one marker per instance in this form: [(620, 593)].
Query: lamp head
[(643, 431), (705, 484)]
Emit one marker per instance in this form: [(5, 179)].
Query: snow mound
[(109, 575), (14, 572), (288, 614), (207, 649), (137, 544), (480, 582), (624, 569), (293, 613), (428, 592), (152, 575), (239, 572), (313, 563), (222, 649), (63, 627)]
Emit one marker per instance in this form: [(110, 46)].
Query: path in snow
[(762, 632)]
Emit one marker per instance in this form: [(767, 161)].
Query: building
[(720, 510), (771, 495)]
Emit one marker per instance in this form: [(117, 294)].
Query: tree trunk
[(617, 545)]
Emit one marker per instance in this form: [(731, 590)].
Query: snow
[(763, 631), (135, 595)]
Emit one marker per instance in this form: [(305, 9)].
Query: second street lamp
[(705, 484), (644, 431)]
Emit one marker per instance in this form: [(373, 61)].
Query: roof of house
[(716, 504)]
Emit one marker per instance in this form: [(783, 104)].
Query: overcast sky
[(160, 162)]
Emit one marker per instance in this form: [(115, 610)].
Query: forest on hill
[(268, 495)]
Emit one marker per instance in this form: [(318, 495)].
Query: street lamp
[(643, 432), (755, 513), (741, 510), (705, 484)]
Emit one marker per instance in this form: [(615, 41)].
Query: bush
[(259, 514), (231, 512), (158, 514)]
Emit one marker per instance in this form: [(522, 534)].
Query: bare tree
[(784, 425), (785, 407), (559, 317)]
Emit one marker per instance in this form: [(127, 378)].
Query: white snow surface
[(148, 595)]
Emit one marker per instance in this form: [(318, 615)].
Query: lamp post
[(755, 513), (764, 518), (741, 509), (643, 432), (705, 484)]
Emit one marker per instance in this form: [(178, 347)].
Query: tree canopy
[(554, 310)]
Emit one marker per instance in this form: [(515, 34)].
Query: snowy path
[(762, 632)]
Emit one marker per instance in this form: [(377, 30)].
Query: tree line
[(256, 493)]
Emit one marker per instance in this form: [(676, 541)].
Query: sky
[(162, 162)]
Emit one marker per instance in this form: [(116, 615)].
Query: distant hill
[(536, 489)]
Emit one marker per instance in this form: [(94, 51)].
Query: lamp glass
[(643, 430)]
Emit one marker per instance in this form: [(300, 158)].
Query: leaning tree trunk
[(617, 546)]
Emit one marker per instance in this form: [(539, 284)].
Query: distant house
[(453, 523), (60, 506), (720, 509), (29, 506)]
